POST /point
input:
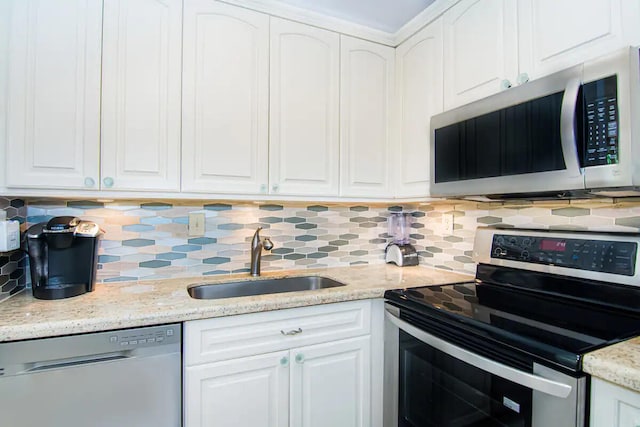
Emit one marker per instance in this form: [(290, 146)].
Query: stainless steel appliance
[(506, 349), (400, 252), (573, 133), (129, 377), (63, 257)]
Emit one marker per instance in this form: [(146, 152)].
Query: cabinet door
[(225, 98), (419, 89), (331, 384), (366, 92), (480, 49), (304, 140), (246, 392), (53, 100), (558, 34), (141, 72), (613, 406)]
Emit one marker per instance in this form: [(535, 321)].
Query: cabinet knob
[(89, 182), (300, 358), (263, 188), (108, 182), (522, 78), (505, 84), (275, 188), (284, 361)]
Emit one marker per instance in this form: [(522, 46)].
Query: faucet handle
[(267, 243)]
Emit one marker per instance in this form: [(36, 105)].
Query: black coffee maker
[(63, 257)]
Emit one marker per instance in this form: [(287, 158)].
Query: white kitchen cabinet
[(141, 85), (307, 366), (480, 49), (245, 392), (419, 78), (613, 406), (330, 384), (554, 35), (5, 21), (304, 110), (53, 94), (366, 95), (225, 99)]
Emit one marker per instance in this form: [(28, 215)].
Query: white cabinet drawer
[(225, 338)]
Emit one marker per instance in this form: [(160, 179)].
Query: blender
[(399, 251)]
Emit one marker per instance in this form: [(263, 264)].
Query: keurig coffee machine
[(63, 257)]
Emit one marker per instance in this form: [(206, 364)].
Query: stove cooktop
[(554, 319)]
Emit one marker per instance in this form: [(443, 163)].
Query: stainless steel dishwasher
[(128, 377)]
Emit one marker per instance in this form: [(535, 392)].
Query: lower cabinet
[(330, 384), (302, 367), (613, 406), (245, 392)]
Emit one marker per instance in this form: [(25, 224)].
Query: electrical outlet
[(196, 224), (447, 223)]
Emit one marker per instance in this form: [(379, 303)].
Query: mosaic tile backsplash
[(150, 240), (13, 264)]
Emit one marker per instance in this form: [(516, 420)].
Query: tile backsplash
[(150, 240), (13, 264)]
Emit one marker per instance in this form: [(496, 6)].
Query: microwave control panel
[(601, 122), (584, 254)]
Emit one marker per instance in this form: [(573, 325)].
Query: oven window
[(438, 390)]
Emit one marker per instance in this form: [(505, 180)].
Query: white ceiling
[(384, 15)]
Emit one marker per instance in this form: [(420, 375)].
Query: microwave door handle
[(526, 379), (567, 127)]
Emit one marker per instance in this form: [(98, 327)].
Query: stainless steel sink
[(260, 287)]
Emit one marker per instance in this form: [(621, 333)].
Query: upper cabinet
[(225, 106), (366, 93), (419, 96), (480, 49), (558, 34), (141, 72), (53, 94), (304, 110)]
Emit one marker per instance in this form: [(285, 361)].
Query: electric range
[(540, 301)]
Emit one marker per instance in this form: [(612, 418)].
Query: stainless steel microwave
[(572, 133)]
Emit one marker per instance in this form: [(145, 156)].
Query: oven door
[(430, 382)]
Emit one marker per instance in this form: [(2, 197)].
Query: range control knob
[(499, 252), (525, 255)]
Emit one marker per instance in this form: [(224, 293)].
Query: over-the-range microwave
[(570, 134)]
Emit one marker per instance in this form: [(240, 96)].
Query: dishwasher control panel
[(144, 337)]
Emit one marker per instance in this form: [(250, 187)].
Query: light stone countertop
[(144, 303), (618, 363)]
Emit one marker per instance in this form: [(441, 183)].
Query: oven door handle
[(526, 379)]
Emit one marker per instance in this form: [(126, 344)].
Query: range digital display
[(553, 245)]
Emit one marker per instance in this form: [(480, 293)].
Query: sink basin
[(260, 287)]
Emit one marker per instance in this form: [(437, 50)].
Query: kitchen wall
[(13, 264), (149, 240)]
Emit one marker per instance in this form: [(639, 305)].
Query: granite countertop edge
[(124, 305), (618, 364)]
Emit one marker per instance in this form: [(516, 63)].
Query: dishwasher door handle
[(526, 379), (75, 361)]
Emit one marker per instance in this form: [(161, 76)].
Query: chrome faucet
[(256, 251)]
